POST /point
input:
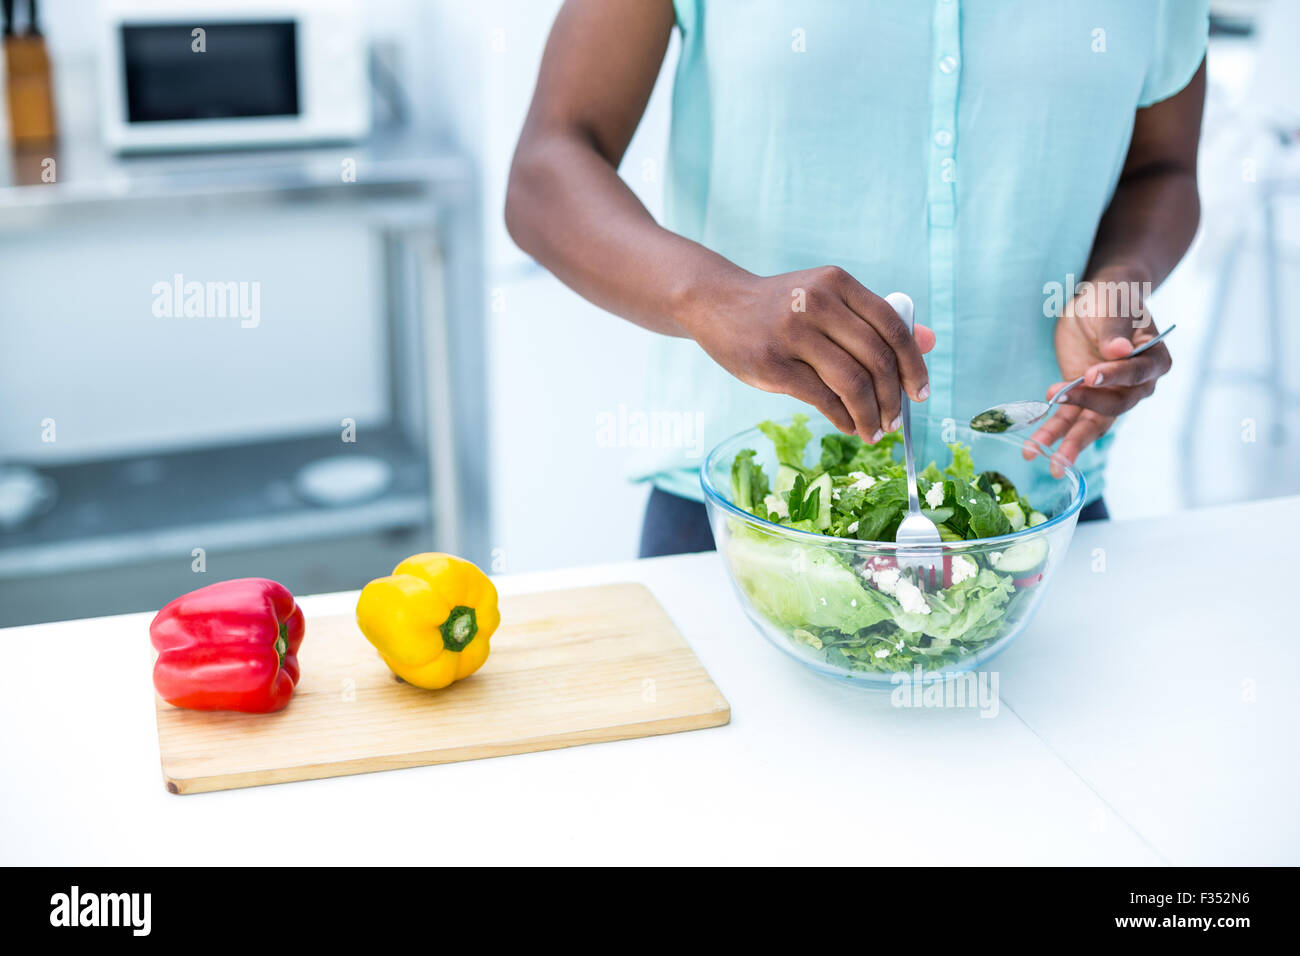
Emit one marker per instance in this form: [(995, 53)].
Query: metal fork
[(917, 534)]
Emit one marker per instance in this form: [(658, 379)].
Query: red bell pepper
[(229, 646)]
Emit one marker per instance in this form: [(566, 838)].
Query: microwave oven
[(221, 74)]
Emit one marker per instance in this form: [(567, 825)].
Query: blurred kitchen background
[(374, 368)]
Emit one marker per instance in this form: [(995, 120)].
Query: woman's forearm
[(1148, 227), (568, 208)]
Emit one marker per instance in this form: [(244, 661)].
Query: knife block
[(30, 91)]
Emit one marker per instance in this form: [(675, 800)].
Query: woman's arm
[(844, 353), (566, 204), (1143, 234)]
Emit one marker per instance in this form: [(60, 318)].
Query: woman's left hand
[(1101, 325)]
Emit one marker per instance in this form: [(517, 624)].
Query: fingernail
[(923, 394), (877, 436), (896, 424)]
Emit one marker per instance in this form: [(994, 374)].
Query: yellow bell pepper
[(431, 619)]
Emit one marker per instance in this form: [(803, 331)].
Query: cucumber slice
[(1014, 514), (784, 481), (1022, 559)]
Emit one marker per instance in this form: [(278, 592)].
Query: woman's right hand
[(820, 336), (817, 335)]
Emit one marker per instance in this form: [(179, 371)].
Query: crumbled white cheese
[(883, 652), (777, 504), (963, 568), (911, 598), (861, 481), (853, 528), (934, 497), (887, 579)]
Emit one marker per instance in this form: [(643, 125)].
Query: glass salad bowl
[(840, 605)]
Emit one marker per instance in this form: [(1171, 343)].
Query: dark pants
[(677, 525)]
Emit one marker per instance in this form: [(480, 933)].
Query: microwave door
[(226, 71)]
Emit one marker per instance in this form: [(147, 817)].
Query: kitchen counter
[(1146, 717)]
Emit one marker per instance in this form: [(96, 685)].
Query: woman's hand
[(1097, 328), (819, 336)]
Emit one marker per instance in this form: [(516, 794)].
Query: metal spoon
[(1013, 416), (916, 530)]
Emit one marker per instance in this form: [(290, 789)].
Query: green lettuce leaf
[(790, 441), (965, 612), (931, 473), (962, 467), (882, 510), (983, 517), (837, 451), (799, 587)]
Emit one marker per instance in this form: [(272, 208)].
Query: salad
[(862, 613)]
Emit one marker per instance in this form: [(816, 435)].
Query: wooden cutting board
[(567, 667)]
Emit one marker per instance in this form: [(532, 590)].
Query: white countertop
[(1147, 716)]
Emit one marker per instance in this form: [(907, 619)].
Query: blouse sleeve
[(1182, 30)]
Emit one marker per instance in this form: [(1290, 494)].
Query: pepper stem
[(459, 628)]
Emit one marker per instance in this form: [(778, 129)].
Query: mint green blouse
[(961, 151)]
